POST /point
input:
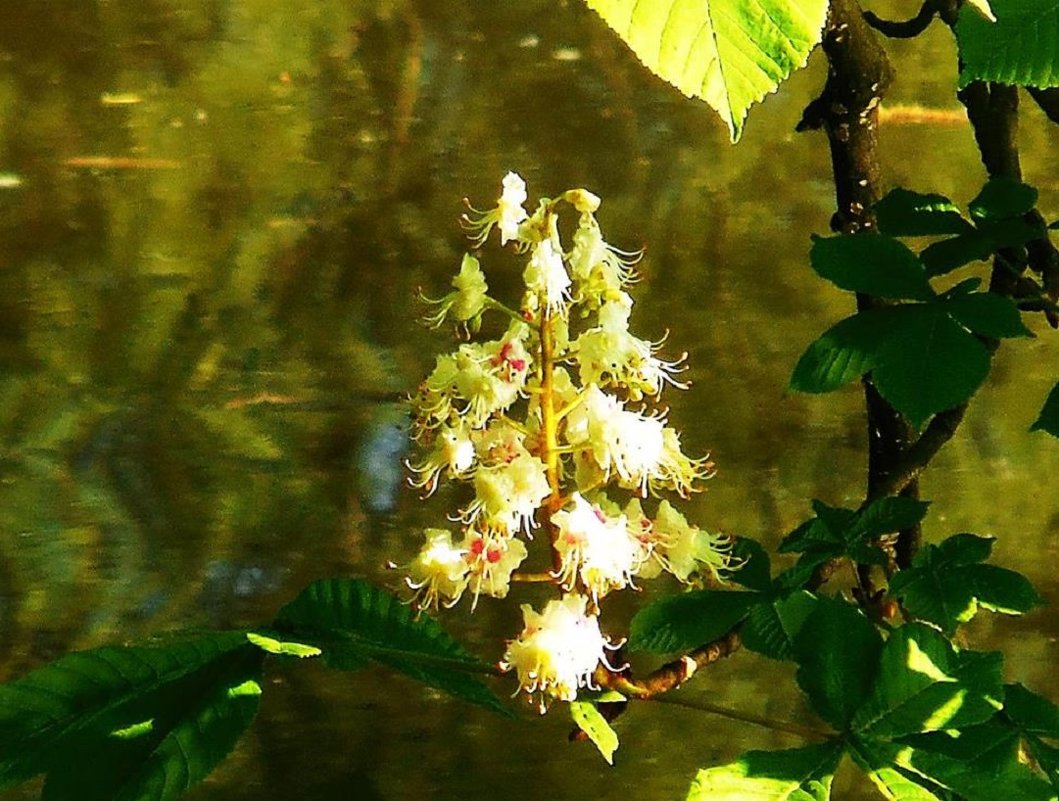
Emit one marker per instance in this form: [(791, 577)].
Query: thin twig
[(903, 29)]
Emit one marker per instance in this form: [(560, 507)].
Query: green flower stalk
[(540, 422)]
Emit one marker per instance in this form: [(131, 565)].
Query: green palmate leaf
[(876, 760), (837, 651), (988, 314), (929, 363), (592, 723), (1021, 47), (973, 779), (846, 351), (1003, 198), (772, 625), (873, 264), (906, 213), (730, 53), (924, 684), (353, 622), (120, 717), (946, 584), (799, 774), (1048, 420), (678, 622)]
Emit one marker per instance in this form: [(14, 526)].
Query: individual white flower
[(439, 572), (490, 376), (676, 471), (599, 271), (581, 199), (558, 650), (609, 355), (641, 529), (507, 216), (595, 548), (452, 455), (685, 550), (501, 442), (547, 282), (492, 559), (433, 403), (621, 442), (466, 304), (507, 495)]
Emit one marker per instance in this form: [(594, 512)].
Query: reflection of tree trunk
[(847, 111)]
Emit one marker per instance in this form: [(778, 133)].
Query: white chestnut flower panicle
[(541, 424)]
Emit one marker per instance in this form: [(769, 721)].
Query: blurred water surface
[(214, 215)]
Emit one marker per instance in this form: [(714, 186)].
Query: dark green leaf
[(1020, 48), (995, 742), (352, 622), (844, 352), (1048, 420), (975, 780), (924, 684), (798, 774), (837, 651), (687, 620), (1032, 713), (906, 213), (946, 584), (755, 572), (771, 626), (591, 722), (988, 314), (161, 744), (98, 692), (929, 363), (873, 264), (887, 515), (1003, 198), (1010, 233), (948, 254)]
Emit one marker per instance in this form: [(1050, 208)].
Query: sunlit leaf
[(353, 622), (589, 719), (798, 774), (975, 780), (906, 213), (678, 622), (730, 53), (281, 648), (925, 684), (837, 651), (872, 264), (946, 583), (876, 760), (1021, 47)]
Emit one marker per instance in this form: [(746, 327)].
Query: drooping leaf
[(589, 719), (947, 583), (988, 314), (929, 363), (1020, 48), (837, 651), (906, 213), (353, 622), (1048, 420), (730, 53), (772, 625), (132, 709), (690, 619), (1003, 198), (798, 774), (755, 571), (846, 351), (924, 684), (871, 263)]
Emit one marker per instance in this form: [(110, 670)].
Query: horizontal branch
[(672, 674)]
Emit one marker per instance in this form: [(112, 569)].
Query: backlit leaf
[(798, 774)]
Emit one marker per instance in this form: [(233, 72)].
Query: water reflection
[(213, 218)]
